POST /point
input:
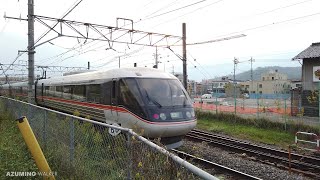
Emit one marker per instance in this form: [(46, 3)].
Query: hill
[(292, 72)]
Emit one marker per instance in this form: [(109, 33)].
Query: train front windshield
[(159, 99), (164, 93)]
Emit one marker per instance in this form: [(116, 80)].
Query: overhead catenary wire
[(180, 57), (205, 42), (19, 54), (177, 9), (63, 16), (210, 76), (270, 24), (188, 13), (162, 8)]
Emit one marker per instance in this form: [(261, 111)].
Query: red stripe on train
[(118, 109)]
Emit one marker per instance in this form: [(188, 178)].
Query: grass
[(14, 154), (259, 130), (267, 136)]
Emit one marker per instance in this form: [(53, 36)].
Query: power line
[(173, 10), (166, 6), (283, 7), (200, 65), (270, 24), (193, 11)]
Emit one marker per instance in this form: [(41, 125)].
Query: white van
[(206, 96)]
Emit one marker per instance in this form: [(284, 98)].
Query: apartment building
[(271, 82)]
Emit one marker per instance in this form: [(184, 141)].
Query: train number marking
[(114, 132)]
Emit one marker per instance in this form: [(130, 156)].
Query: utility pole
[(30, 50), (184, 55), (251, 60), (156, 57), (119, 62), (235, 62)]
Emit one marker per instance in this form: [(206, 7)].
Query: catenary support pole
[(30, 50), (184, 55)]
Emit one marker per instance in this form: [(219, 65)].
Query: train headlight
[(156, 116), (163, 116), (188, 114), (192, 113)]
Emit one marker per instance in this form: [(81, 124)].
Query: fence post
[(44, 131), (285, 114), (129, 147), (34, 148), (258, 106), (72, 142), (319, 104)]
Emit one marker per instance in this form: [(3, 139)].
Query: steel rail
[(215, 166), (298, 163)]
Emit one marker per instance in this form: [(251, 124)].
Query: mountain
[(292, 72)]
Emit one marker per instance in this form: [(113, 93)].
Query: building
[(271, 82), (214, 86), (192, 86), (309, 97)]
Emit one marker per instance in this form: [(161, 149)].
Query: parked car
[(206, 96), (246, 96)]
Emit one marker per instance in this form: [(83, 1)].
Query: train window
[(94, 93), (67, 92), (46, 91), (59, 90), (129, 96), (38, 90), (113, 89), (52, 90), (106, 93), (79, 92)]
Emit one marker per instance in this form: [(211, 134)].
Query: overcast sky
[(276, 31)]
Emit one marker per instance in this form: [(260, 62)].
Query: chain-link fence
[(78, 148), (300, 107)]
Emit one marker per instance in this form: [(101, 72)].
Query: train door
[(42, 93), (110, 91)]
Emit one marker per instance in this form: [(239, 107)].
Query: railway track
[(309, 166), (217, 167)]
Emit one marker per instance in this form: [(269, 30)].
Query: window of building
[(260, 92), (263, 78), (247, 86), (272, 78), (260, 85)]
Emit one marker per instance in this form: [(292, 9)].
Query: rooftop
[(312, 51)]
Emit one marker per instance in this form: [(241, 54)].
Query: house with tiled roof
[(310, 59)]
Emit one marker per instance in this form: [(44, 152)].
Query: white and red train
[(150, 101)]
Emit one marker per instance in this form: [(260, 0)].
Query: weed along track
[(309, 166)]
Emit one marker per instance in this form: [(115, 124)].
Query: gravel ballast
[(240, 162)]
